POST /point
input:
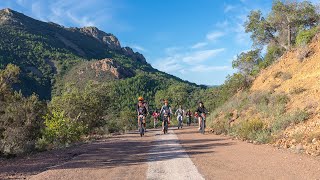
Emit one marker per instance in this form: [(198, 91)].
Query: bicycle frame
[(165, 124), (141, 125), (203, 125)]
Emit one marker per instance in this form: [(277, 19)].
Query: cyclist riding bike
[(195, 119), (142, 111), (179, 113), (188, 115), (155, 116), (165, 112), (202, 112)]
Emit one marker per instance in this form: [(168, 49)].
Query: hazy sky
[(195, 40)]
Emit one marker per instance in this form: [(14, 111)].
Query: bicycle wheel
[(166, 127), (202, 126), (141, 130)]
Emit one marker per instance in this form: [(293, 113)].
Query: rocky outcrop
[(127, 51), (108, 39), (111, 42), (110, 66), (6, 16)]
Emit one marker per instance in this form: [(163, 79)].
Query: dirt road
[(181, 154)]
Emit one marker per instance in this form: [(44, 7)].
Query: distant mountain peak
[(106, 38), (9, 17), (7, 11)]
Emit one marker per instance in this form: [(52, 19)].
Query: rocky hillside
[(46, 52), (297, 74), (281, 107)]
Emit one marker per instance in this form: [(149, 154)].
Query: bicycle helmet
[(140, 98)]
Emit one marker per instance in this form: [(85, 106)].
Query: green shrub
[(220, 127), (282, 122), (305, 36), (263, 136), (61, 130), (280, 99), (20, 117), (260, 98), (273, 53), (248, 129)]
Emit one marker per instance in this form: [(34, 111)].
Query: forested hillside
[(89, 81), (46, 51)]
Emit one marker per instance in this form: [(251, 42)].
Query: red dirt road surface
[(181, 154)]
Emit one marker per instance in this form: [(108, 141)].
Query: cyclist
[(165, 111), (201, 111), (188, 115), (179, 113), (142, 111), (195, 119), (155, 115)]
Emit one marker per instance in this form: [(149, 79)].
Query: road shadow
[(125, 150)]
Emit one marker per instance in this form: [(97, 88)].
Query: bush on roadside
[(284, 121), (220, 127), (60, 130), (248, 129), (20, 117)]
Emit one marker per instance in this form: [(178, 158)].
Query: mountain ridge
[(46, 51)]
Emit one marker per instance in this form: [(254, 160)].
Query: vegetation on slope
[(92, 82), (276, 105)]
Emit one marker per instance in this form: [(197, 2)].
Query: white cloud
[(138, 48), (81, 21), (74, 12), (199, 56), (213, 36), (169, 64), (204, 68), (172, 50), (199, 45), (21, 2), (36, 9), (182, 62), (228, 8), (241, 35), (224, 24)]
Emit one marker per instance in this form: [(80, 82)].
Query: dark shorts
[(165, 118)]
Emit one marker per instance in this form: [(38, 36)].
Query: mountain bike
[(165, 124), (188, 120), (203, 123), (141, 125), (179, 122)]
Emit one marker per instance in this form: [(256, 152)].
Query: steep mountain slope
[(46, 52), (282, 106), (297, 74)]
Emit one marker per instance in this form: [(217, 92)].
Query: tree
[(20, 117), (262, 31), (247, 64), (282, 23), (8, 77), (88, 106)]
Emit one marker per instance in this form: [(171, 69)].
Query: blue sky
[(195, 40)]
